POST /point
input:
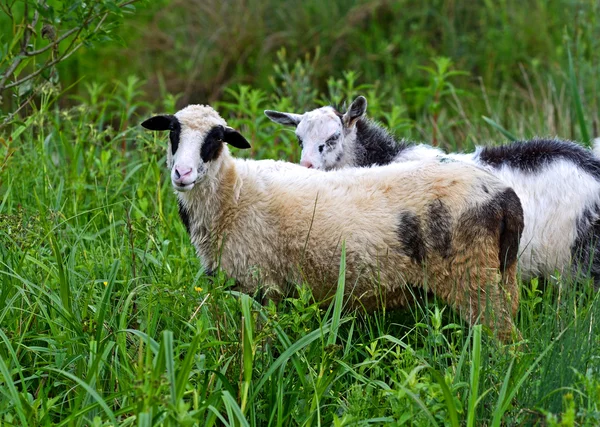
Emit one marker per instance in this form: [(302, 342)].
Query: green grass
[(106, 317)]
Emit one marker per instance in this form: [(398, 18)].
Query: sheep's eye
[(331, 141), (299, 140)]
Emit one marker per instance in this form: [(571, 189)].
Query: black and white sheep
[(445, 226), (558, 182)]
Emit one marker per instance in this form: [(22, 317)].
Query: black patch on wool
[(439, 228), (503, 216), (375, 145), (586, 248), (213, 144), (410, 236), (530, 156), (184, 215)]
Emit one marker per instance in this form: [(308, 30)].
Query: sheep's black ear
[(356, 110), (159, 122), (287, 119), (234, 138)]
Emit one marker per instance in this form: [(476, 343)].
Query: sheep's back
[(396, 221)]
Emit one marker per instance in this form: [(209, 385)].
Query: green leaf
[(499, 128)]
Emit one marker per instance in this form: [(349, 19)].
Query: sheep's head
[(197, 137), (324, 134)]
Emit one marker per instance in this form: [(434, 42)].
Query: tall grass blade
[(502, 407), (287, 354), (498, 412), (474, 376), (233, 410), (339, 299), (144, 419), (65, 289), (247, 349), (577, 100), (14, 394), (154, 346), (499, 128), (167, 341), (186, 367), (93, 393), (104, 303), (450, 405)]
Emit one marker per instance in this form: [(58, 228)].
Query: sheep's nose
[(182, 173), (306, 164)]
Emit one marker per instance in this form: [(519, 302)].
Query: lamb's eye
[(299, 140), (331, 141)]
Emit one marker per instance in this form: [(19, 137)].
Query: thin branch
[(20, 56), (54, 43), (68, 52), (8, 119), (47, 65)]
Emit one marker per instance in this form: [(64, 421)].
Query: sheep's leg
[(482, 298)]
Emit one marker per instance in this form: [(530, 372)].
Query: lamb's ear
[(287, 119), (159, 122), (356, 110), (234, 138)]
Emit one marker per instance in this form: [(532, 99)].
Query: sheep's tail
[(511, 227), (596, 147)]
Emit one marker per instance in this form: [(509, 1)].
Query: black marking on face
[(300, 143), (174, 134), (530, 156), (184, 215), (439, 227), (321, 148), (332, 140), (485, 189), (586, 248), (165, 122), (501, 216), (410, 236), (213, 144)]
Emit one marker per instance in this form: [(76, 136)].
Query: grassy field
[(106, 317)]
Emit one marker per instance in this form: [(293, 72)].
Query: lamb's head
[(325, 135), (196, 144)]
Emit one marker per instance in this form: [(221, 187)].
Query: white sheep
[(444, 226), (558, 182)]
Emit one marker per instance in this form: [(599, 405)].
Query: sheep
[(558, 182), (447, 227)]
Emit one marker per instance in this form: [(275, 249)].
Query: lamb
[(446, 227), (558, 182)]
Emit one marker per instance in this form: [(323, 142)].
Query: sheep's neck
[(205, 206)]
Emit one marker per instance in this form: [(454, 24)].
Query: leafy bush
[(44, 34)]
